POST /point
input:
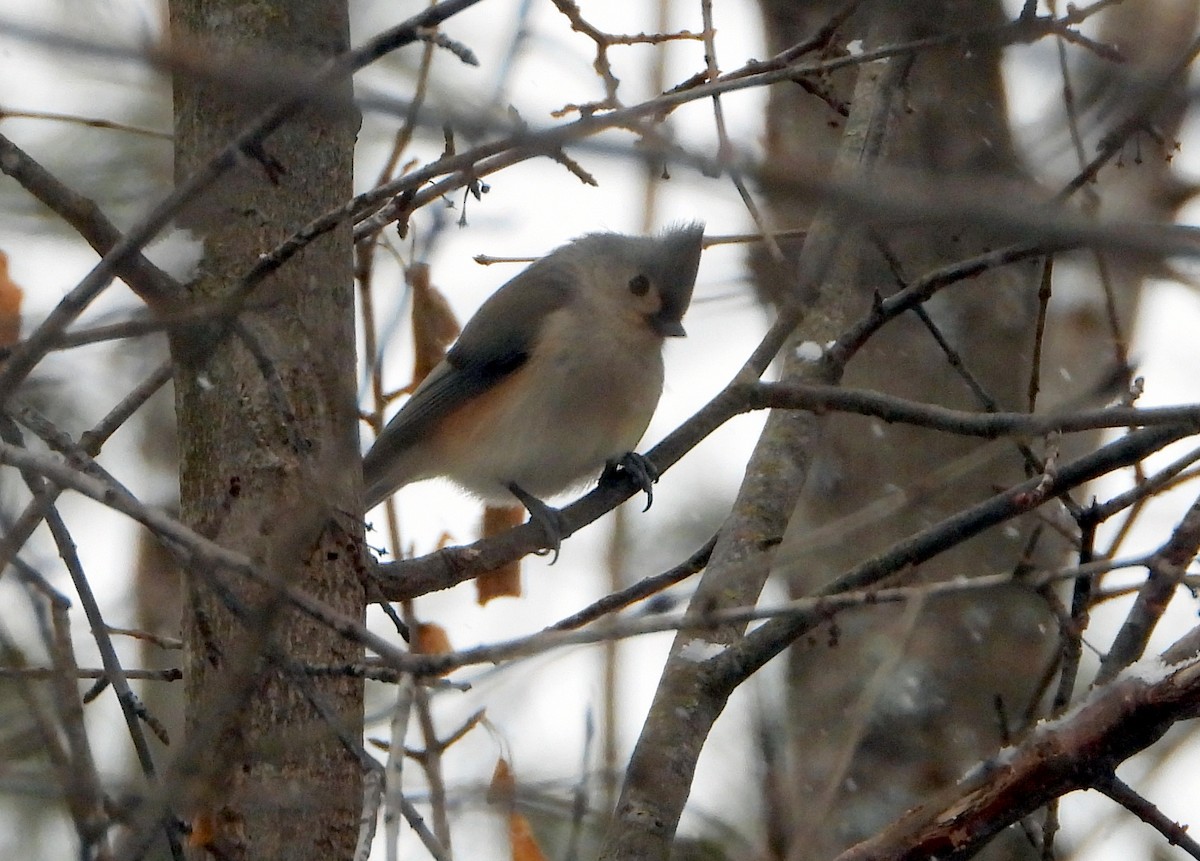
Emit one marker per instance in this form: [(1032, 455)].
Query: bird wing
[(493, 344)]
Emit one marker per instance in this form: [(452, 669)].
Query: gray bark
[(268, 446)]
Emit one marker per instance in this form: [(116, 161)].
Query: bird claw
[(548, 518), (638, 467)]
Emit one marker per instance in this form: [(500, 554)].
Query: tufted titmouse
[(555, 377)]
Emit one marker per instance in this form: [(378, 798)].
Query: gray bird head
[(673, 266), (649, 275)]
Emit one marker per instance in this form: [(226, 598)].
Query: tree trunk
[(893, 704), (268, 448)]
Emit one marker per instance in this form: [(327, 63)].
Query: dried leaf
[(434, 324), (503, 788), (221, 833), (204, 829), (431, 639), (11, 297), (524, 845), (504, 581)]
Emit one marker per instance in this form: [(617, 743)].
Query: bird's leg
[(639, 468), (550, 519)]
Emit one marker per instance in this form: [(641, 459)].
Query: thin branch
[(85, 793), (409, 193), (1154, 94), (1124, 795), (131, 708), (639, 591), (1079, 751), (203, 554), (87, 122), (114, 672), (408, 127), (1167, 568), (153, 285), (90, 442), (22, 362), (602, 66), (1045, 283), (724, 146), (173, 674), (447, 567), (804, 610), (737, 663), (866, 402), (432, 36)]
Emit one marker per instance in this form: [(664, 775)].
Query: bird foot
[(548, 518), (639, 468)]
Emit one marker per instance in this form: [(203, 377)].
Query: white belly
[(559, 419)]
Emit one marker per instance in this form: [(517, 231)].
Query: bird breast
[(585, 396)]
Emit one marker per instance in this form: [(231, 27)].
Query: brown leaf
[(503, 788), (504, 581), (434, 324), (10, 306), (204, 829), (221, 833), (431, 639), (524, 845)]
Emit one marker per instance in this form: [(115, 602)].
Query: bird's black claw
[(639, 468), (548, 518)]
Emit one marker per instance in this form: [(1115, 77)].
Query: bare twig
[(744, 658), (449, 566), (1124, 795), (615, 601), (156, 287), (724, 146), (173, 674), (603, 41), (22, 361), (88, 122), (203, 555), (1167, 567), (1077, 752)]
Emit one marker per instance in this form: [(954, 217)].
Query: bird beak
[(668, 328)]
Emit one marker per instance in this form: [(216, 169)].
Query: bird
[(552, 382)]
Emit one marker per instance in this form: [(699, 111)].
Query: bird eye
[(638, 285)]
